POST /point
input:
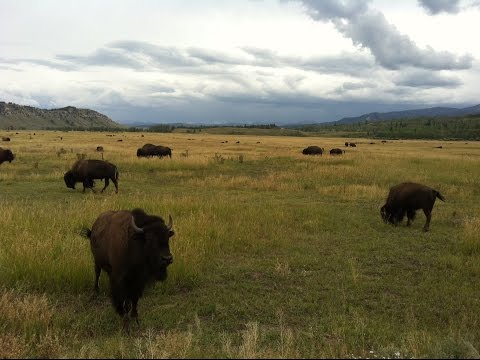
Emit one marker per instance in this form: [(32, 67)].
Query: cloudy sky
[(242, 61)]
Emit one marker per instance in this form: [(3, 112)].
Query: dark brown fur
[(132, 259), (86, 171), (405, 199), (337, 151), (313, 150), (6, 155), (150, 150)]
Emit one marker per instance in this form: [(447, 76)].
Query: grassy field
[(275, 255)]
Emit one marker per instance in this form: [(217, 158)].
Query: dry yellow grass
[(276, 254)]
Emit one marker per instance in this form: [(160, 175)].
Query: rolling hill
[(411, 114), (17, 117)]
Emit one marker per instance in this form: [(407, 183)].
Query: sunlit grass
[(276, 254)]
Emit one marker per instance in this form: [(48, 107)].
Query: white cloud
[(308, 57)]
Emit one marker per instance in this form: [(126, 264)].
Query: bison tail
[(86, 232), (438, 195)]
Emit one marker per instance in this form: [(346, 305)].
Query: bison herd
[(317, 150), (132, 247)]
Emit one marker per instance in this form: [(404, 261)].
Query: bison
[(4, 138), (313, 150), (337, 151), (406, 198), (6, 155), (133, 249), (149, 150), (100, 148), (86, 171)]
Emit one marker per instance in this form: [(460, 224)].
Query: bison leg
[(88, 183), (98, 270), (106, 184), (134, 313), (428, 214), (410, 216), (115, 182)]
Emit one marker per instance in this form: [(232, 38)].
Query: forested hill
[(452, 128), (18, 117)]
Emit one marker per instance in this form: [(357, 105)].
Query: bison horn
[(170, 222), (135, 227)]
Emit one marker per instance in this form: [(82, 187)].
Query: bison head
[(384, 213), (139, 152), (70, 179), (391, 215), (156, 235), (9, 155)]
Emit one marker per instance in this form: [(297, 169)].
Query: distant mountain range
[(411, 114), (13, 116)]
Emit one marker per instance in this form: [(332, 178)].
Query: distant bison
[(150, 150), (100, 148), (133, 249), (86, 171), (337, 151), (5, 138), (406, 198), (6, 155), (313, 150)]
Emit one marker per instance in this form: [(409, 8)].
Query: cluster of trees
[(467, 127)]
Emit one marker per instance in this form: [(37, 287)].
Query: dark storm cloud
[(330, 9), (423, 79), (142, 56), (104, 57), (393, 50), (352, 86), (434, 7), (369, 29), (345, 63)]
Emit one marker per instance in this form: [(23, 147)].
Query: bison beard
[(405, 199), (133, 249)]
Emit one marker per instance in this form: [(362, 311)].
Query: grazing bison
[(133, 249), (337, 151), (4, 138), (6, 155), (406, 198), (86, 171), (149, 150), (313, 150)]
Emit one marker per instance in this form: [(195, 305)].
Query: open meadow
[(276, 254)]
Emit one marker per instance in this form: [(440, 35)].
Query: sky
[(239, 61)]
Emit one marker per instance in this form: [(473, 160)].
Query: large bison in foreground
[(313, 150), (6, 155), (86, 171), (133, 249), (149, 150), (406, 198)]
